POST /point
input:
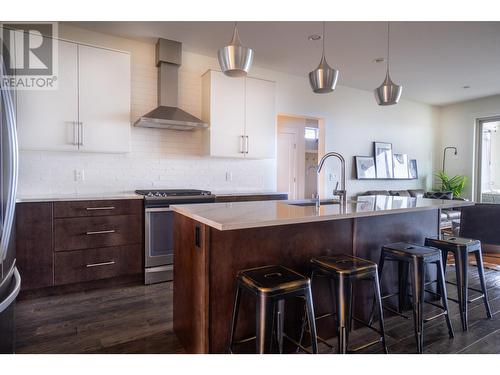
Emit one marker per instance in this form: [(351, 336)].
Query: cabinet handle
[(242, 144), (75, 133), (80, 125), (100, 264), (100, 232), (246, 144), (100, 208)]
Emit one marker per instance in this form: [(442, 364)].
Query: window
[(311, 133)]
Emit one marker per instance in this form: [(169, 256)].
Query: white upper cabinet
[(89, 110), (260, 124), (48, 119), (223, 108), (104, 97), (241, 114)]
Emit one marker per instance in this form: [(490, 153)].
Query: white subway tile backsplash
[(158, 158)]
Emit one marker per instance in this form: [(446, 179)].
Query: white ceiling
[(432, 60)]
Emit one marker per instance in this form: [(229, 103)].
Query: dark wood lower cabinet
[(34, 244), (104, 240), (95, 264)]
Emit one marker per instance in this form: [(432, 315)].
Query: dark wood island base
[(207, 261)]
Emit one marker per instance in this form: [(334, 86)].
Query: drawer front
[(101, 231), (98, 208), (94, 264)]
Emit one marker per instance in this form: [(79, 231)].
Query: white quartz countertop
[(77, 197), (242, 215)]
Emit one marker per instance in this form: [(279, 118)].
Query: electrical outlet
[(332, 177), (79, 175), (229, 176)]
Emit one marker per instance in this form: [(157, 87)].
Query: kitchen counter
[(242, 215), (76, 197), (213, 242)]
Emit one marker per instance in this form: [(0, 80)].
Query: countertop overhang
[(243, 215)]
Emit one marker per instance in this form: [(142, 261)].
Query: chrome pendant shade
[(235, 60), (324, 78), (388, 93)]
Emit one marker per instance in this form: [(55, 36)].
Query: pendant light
[(388, 93), (235, 60), (324, 78)]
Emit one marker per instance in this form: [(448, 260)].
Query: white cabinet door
[(104, 100), (47, 119), (260, 124), (224, 97)]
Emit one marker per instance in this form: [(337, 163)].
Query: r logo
[(28, 49)]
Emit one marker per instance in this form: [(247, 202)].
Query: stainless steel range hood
[(167, 115)]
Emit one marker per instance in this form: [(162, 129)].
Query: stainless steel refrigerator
[(10, 280)]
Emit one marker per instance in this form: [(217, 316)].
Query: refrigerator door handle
[(8, 108), (13, 294)]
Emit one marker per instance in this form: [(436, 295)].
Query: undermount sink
[(313, 202)]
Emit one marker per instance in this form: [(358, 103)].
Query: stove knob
[(163, 194), (150, 194), (156, 194)]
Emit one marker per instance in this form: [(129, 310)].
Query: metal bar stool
[(461, 248), (342, 271), (417, 258), (272, 285)]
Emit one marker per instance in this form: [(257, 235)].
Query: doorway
[(299, 140), (488, 160)]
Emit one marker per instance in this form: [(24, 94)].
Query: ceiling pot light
[(388, 93), (324, 78), (314, 37), (235, 60)]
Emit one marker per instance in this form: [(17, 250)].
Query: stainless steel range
[(159, 229)]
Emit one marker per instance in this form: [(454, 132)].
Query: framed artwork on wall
[(400, 166), (365, 167), (412, 169), (383, 159)]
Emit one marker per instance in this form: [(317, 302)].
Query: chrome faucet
[(342, 192)]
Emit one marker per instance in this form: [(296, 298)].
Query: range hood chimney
[(168, 115)]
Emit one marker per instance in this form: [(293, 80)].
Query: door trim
[(478, 159)]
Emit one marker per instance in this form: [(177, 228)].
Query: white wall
[(457, 128), (163, 159)]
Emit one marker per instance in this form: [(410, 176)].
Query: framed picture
[(400, 166), (412, 169), (365, 167), (383, 159)]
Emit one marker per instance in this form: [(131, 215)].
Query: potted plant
[(454, 184)]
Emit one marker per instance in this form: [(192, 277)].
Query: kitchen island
[(213, 241)]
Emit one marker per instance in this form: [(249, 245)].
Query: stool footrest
[(326, 315), (476, 298), (390, 295), (435, 305), (357, 349), (242, 341), (366, 325), (470, 288), (295, 342), (396, 312), (435, 316)]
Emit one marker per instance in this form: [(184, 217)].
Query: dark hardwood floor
[(138, 319)]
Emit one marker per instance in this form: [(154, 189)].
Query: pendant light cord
[(323, 38), (388, 45)]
